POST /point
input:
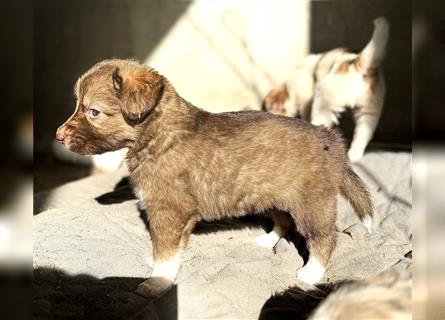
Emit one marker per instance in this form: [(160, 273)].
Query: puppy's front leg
[(169, 234), (322, 113)]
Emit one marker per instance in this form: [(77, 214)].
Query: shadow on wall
[(70, 36), (238, 34)]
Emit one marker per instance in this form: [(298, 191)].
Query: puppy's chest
[(204, 188), (152, 181)]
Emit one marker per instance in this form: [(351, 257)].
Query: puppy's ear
[(117, 81), (139, 92)]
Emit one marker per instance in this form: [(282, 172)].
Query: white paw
[(355, 155), (367, 222), (268, 240), (154, 286), (322, 120), (312, 272)]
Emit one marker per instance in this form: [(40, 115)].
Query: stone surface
[(92, 248)]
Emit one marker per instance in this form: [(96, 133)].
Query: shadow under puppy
[(187, 164)]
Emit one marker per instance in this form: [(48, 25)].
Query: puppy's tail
[(373, 54), (358, 195)]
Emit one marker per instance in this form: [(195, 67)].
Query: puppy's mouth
[(76, 144), (87, 146)]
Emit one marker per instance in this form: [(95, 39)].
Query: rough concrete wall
[(225, 55), (220, 55)]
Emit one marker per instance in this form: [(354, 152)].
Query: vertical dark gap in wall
[(429, 71)]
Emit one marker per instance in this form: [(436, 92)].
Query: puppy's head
[(113, 98), (275, 100)]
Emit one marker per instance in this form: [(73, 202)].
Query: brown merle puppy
[(187, 164)]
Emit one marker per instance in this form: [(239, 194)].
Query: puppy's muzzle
[(61, 134)]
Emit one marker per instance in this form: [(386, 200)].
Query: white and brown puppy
[(323, 85), (384, 296), (187, 164)]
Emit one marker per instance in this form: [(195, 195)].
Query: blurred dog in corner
[(384, 296), (323, 85)]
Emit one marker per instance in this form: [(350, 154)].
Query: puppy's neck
[(172, 120)]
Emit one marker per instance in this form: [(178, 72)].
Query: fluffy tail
[(356, 192), (373, 54)]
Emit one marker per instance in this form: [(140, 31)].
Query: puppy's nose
[(61, 134)]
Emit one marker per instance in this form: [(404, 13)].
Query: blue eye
[(93, 113)]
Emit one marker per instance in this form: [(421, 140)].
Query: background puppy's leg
[(322, 113), (317, 225), (365, 125), (281, 226), (169, 235)]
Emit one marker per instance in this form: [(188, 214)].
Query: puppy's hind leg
[(318, 227), (282, 224)]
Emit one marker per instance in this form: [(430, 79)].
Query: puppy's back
[(255, 134)]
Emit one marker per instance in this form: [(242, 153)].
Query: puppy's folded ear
[(139, 92)]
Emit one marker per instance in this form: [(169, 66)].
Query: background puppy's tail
[(373, 54), (356, 192)]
